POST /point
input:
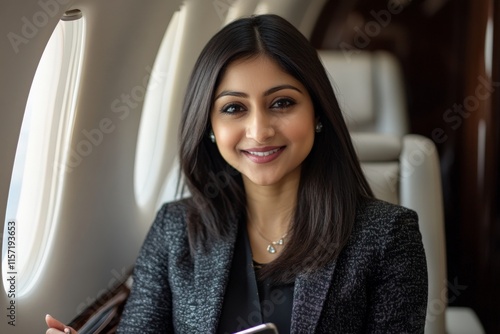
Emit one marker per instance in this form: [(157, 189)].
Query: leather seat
[(370, 89), (405, 171)]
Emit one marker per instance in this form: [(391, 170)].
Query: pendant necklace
[(271, 248)]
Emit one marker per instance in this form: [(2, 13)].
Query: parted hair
[(331, 185)]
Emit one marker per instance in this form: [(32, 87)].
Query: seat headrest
[(375, 147), (351, 79)]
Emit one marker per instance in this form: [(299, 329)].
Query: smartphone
[(268, 328)]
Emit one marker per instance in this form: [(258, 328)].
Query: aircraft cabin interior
[(91, 94)]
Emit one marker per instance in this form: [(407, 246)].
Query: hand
[(57, 327)]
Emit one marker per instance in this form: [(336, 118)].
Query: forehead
[(260, 72)]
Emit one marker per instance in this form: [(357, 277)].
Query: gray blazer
[(378, 284)]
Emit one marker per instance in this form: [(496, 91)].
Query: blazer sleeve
[(398, 297), (149, 305)]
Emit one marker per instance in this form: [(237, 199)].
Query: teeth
[(264, 154)]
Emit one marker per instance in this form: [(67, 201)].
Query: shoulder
[(172, 216), (383, 225), (385, 237), (381, 212), (169, 227), (176, 210), (382, 217)]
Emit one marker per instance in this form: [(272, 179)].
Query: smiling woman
[(293, 236), (297, 219)]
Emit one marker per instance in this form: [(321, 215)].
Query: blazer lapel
[(211, 277), (309, 296)]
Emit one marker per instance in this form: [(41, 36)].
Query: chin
[(263, 181)]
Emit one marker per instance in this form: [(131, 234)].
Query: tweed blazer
[(378, 284)]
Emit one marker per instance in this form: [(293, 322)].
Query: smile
[(263, 155)]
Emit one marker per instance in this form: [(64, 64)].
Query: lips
[(262, 155)]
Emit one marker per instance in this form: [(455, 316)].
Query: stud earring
[(211, 136), (319, 127)]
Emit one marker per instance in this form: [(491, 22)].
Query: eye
[(283, 103), (232, 108)]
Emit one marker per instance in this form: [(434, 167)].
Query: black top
[(250, 301), (276, 302)]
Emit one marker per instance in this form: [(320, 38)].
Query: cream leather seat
[(370, 89), (406, 171)]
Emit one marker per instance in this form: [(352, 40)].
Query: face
[(263, 121)]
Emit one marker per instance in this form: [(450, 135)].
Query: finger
[(53, 331), (69, 330), (54, 323)]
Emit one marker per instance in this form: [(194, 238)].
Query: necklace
[(271, 248)]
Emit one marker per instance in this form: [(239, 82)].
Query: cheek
[(227, 137), (301, 130)]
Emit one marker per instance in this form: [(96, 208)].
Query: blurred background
[(448, 50)]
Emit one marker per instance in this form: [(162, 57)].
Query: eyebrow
[(266, 93)]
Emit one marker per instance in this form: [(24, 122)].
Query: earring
[(211, 136), (319, 127)]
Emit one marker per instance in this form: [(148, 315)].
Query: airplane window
[(151, 167), (39, 166)]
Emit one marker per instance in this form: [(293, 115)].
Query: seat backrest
[(370, 89), (406, 171)]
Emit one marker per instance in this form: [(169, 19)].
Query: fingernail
[(67, 330), (48, 315)]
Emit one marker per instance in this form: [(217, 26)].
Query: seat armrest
[(462, 320), (103, 316)]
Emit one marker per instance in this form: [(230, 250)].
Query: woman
[(282, 226)]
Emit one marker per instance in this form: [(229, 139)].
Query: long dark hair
[(332, 184)]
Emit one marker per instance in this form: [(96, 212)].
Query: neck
[(270, 208)]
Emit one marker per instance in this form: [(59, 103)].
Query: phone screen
[(268, 328)]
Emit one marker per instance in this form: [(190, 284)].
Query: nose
[(260, 126)]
